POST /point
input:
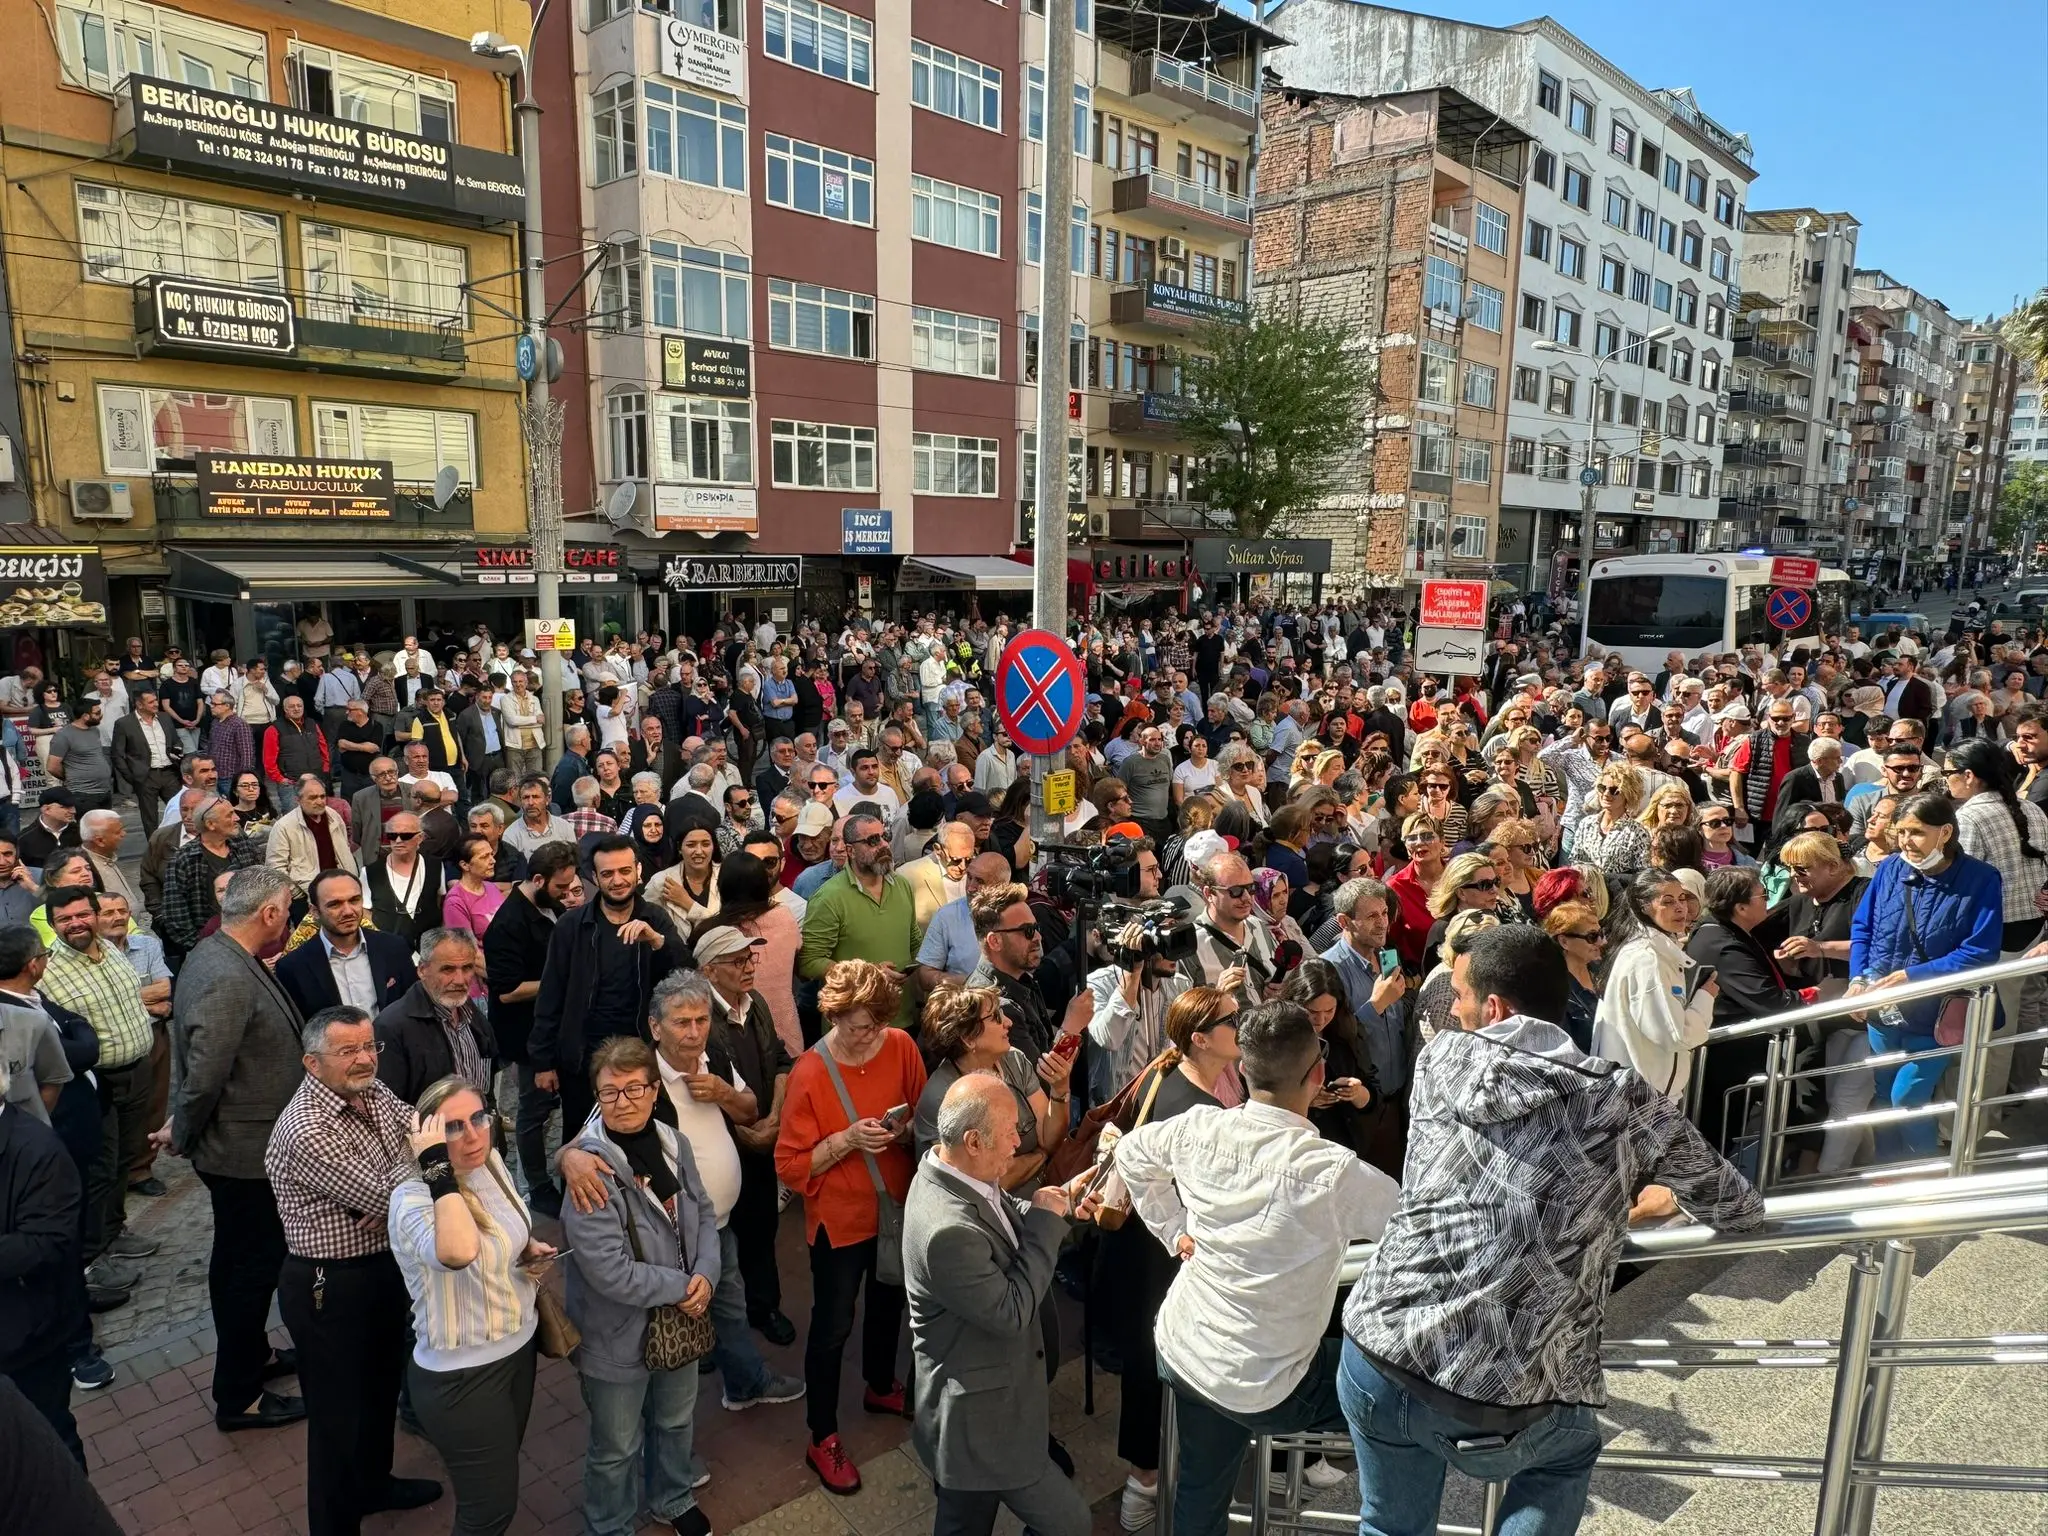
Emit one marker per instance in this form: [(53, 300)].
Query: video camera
[(1166, 931), (1088, 875)]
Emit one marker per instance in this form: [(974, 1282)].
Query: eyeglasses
[(1590, 936), (400, 837), (351, 1052), (1488, 884), (877, 841), (960, 863), (1322, 1057), (478, 1122), (632, 1093)]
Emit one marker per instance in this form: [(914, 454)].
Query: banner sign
[(232, 486), (866, 530), (173, 312), (269, 144), (1239, 557), (719, 573), (706, 509), (704, 58), (1453, 605), (53, 585), (698, 365)]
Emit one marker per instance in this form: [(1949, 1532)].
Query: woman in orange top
[(819, 1155)]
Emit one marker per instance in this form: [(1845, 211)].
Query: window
[(703, 293), (1667, 236), (820, 38), (419, 444), (1077, 341), (1717, 319), (1436, 366), (1632, 347), (1521, 456), (1580, 117), (1549, 93), (955, 86), (1432, 448), (1698, 478), (1696, 188), (1034, 109), (1544, 168), (826, 182), (1529, 385), (944, 465), (625, 420), (1034, 234), (948, 343), (1081, 13), (1475, 462), (1710, 373), (1027, 469), (1681, 364), (817, 456), (1490, 228), (1675, 419), (1689, 248), (699, 441), (1571, 258), (1443, 285), (1703, 426), (1613, 275), (960, 217), (1578, 188), (341, 85), (615, 134), (128, 234), (1724, 206), (806, 318), (695, 138), (1556, 461), (1621, 140), (1687, 308), (358, 275), (1617, 209), (1534, 311), (1646, 223), (1468, 533), (1667, 477), (1673, 174), (143, 430), (1630, 410), (1562, 393), (1660, 295), (1536, 241), (1639, 285), (1564, 326), (1481, 380), (102, 43), (1606, 339), (1718, 263), (721, 16), (1654, 360), (1488, 306), (621, 302)]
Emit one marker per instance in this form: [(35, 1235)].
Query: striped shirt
[(109, 993), (332, 1162), (483, 1312), (1985, 830)]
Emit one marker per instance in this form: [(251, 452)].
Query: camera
[(1166, 932), (1088, 875)]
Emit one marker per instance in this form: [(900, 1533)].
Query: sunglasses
[(1716, 822), (400, 837), (1610, 789), (478, 1122), (1488, 884), (877, 841), (1235, 892), (1028, 930), (1591, 936)]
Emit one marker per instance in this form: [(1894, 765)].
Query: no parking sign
[(1041, 691)]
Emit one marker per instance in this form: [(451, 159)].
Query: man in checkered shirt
[(339, 1148)]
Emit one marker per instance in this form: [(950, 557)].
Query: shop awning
[(228, 575), (984, 573)]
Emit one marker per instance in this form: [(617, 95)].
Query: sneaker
[(700, 1474), (1140, 1504), (774, 1327), (104, 1298), (775, 1389), (828, 1459), (783, 1195), (891, 1401), (112, 1275), (1321, 1472), (150, 1188), (691, 1522), (90, 1372), (130, 1245)]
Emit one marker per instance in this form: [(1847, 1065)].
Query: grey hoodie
[(1524, 1156)]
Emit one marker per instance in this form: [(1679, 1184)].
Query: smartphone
[(1700, 977), (1390, 961), (894, 1118), (1097, 1174), (1066, 1045)]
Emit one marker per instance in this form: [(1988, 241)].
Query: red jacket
[(1409, 923)]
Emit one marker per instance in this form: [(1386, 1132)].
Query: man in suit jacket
[(316, 971), (947, 862), (237, 1062), (146, 752), (1911, 697), (1821, 779), (482, 739), (369, 809), (654, 753), (404, 887), (976, 1264)]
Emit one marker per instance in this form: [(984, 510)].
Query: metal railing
[(1882, 1224)]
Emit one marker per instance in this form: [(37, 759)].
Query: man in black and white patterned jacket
[(1476, 1325)]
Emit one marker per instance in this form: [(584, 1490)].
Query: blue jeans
[(640, 1435), (1213, 1443), (736, 1355), (1403, 1446), (1901, 1087)]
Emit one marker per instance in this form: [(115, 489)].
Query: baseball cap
[(1736, 711), (723, 944), (57, 794), (813, 821)]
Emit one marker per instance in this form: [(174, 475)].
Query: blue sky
[(1928, 122)]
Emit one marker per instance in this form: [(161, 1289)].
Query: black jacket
[(389, 914), (569, 981), (416, 1051), (1752, 985), (515, 952), (1804, 784), (130, 749), (309, 980), (42, 1282), (757, 1051)]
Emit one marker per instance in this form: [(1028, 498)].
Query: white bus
[(1643, 607)]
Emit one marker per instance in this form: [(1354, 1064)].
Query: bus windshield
[(1669, 613)]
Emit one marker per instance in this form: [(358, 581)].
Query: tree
[(2026, 331), (2022, 508), (1275, 404)]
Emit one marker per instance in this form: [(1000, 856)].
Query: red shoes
[(828, 1459), (893, 1401)]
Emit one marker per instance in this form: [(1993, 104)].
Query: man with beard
[(515, 955), (865, 912), (1007, 930)]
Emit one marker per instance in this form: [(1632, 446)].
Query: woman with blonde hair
[(1321, 768), (1469, 884), (1669, 805), (1197, 814), (1243, 776), (1410, 888), (1576, 927), (1518, 861), (1433, 1000), (1609, 834)]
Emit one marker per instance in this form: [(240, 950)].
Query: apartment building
[(1990, 393), (1791, 388), (1908, 353), (1401, 218), (2028, 443), (257, 267), (1623, 317)]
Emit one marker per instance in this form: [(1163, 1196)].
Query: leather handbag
[(555, 1332), (1076, 1155), (888, 1214), (1955, 1011), (674, 1338)]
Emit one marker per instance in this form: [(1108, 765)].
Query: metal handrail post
[(1776, 1099), (1262, 1484), (1489, 1521), (1169, 1463), (1859, 1315), (1894, 1290), (1962, 1146)]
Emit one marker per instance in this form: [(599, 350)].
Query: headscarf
[(1263, 881), (653, 857)]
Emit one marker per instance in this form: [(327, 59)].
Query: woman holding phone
[(966, 1030)]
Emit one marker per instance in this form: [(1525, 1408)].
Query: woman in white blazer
[(1644, 1020)]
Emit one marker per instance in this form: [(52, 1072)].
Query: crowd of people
[(413, 974)]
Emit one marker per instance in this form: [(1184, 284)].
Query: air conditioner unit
[(1098, 522), (102, 501), (1173, 248), (1174, 277)]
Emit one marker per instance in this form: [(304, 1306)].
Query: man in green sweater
[(865, 912)]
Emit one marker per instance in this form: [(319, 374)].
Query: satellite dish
[(1880, 413), (1802, 225), (620, 505), (446, 483)]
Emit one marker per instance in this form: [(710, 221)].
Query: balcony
[(176, 499), (1183, 516), (1148, 414), (1882, 485), (1758, 402), (279, 328), (1180, 90), (1162, 307), (1771, 451), (1166, 202)]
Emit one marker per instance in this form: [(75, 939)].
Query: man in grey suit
[(976, 1263), (237, 1061)]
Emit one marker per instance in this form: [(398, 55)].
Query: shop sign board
[(701, 365), (726, 573), (511, 565), (705, 509), (866, 530), (704, 58), (1261, 557), (51, 585), (177, 313), (352, 490)]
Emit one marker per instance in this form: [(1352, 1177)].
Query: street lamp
[(1587, 478), (544, 483)]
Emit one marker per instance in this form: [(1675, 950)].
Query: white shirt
[(407, 780), (1271, 1207), (991, 1196), (711, 1143), (352, 976), (851, 795), (153, 733)]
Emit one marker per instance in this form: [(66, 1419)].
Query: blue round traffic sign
[(526, 357), (1788, 608), (1589, 476), (1041, 690)]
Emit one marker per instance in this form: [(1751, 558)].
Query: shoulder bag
[(1077, 1154), (557, 1335), (1948, 1024), (888, 1214), (674, 1338)]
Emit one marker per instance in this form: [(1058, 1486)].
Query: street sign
[(1453, 604), (1589, 476), (1449, 652), (551, 635), (1041, 690), (1791, 571), (526, 357), (1788, 608), (1059, 792)]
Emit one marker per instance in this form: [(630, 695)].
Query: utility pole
[(1055, 317)]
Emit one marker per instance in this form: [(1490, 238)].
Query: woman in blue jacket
[(1932, 911)]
